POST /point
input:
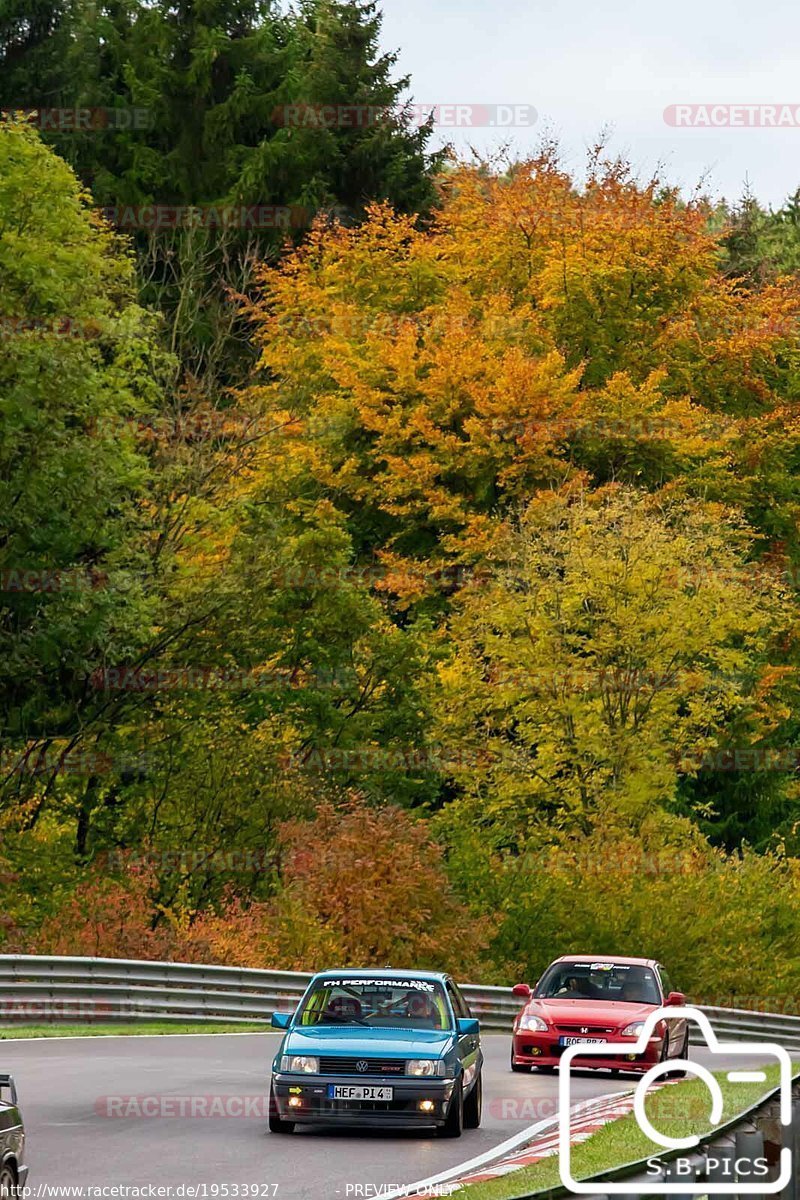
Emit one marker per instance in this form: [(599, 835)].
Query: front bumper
[(312, 1105), (542, 1050), (22, 1175)]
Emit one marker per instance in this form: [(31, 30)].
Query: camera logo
[(725, 1049)]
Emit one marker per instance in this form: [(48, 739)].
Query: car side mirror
[(281, 1020), (675, 1000), (468, 1026), (522, 990)]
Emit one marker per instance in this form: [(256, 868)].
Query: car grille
[(349, 1066), (588, 1030)]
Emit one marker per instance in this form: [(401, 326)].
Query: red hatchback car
[(586, 999)]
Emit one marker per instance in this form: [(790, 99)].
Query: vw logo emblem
[(362, 1065)]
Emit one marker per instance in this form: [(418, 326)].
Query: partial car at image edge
[(13, 1171)]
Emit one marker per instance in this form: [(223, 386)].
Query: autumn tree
[(79, 366), (357, 885), (620, 642), (426, 382)]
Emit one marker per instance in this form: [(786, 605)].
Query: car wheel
[(454, 1125), (276, 1123), (520, 1067), (473, 1105), (8, 1182), (681, 1071), (665, 1054)]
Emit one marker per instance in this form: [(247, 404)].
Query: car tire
[(454, 1124), (520, 1067), (681, 1072), (665, 1054), (8, 1181), (473, 1105), (276, 1123)]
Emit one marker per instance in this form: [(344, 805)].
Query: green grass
[(139, 1029), (676, 1111)]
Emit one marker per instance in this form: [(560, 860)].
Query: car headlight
[(302, 1064), (633, 1030), (534, 1024), (426, 1066)]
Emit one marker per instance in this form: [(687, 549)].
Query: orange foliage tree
[(359, 886), (427, 380)]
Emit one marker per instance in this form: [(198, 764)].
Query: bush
[(726, 926), (357, 886)]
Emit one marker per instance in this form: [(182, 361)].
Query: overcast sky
[(617, 63)]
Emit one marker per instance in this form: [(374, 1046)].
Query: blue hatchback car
[(387, 1048)]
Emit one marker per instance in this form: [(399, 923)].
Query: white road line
[(465, 1168), (488, 1156)]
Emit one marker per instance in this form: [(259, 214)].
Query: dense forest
[(409, 573)]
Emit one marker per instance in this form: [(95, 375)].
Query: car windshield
[(377, 1003), (599, 981)]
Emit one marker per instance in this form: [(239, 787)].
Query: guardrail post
[(792, 1140), (749, 1147), (720, 1161), (672, 1175)]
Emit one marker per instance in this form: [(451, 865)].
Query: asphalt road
[(198, 1117)]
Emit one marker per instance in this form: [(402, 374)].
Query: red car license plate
[(580, 1041)]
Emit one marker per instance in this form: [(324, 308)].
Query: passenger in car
[(423, 1010)]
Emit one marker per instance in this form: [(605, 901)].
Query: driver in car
[(344, 1008), (574, 988)]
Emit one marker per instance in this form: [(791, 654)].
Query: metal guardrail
[(38, 989), (725, 1157)]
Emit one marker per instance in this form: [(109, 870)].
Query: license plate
[(346, 1091), (580, 1041)]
